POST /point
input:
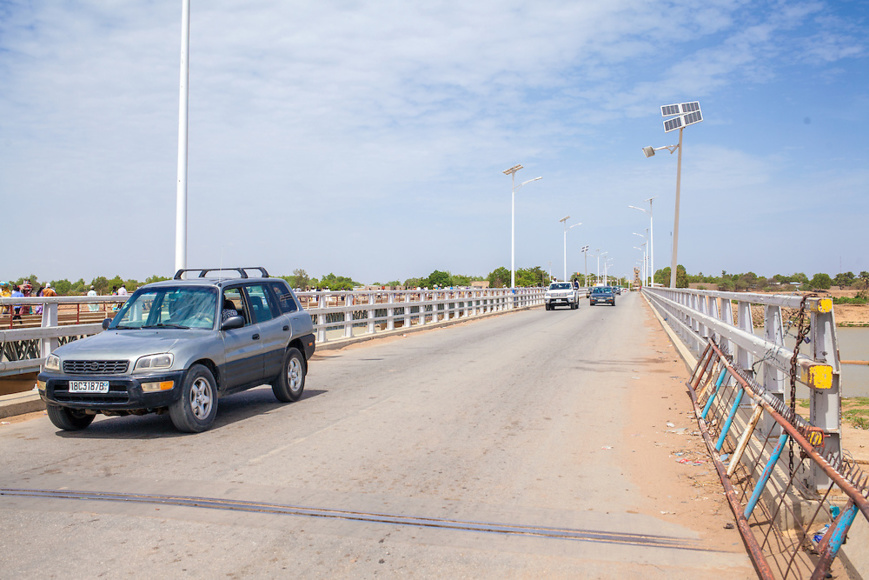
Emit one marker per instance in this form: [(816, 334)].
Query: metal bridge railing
[(24, 344), (786, 477)]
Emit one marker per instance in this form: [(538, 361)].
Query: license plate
[(89, 386)]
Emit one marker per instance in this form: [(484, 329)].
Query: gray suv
[(177, 346)]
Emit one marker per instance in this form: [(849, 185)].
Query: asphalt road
[(477, 450)]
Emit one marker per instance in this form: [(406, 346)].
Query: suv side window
[(258, 298), (285, 298), (233, 300)]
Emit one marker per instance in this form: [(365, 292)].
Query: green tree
[(333, 282), (154, 278), (439, 279), (62, 287), (843, 279), (531, 277), (393, 283), (821, 281), (681, 277), (499, 277), (414, 283), (101, 285)]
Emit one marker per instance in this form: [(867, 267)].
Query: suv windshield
[(168, 307), (560, 286)]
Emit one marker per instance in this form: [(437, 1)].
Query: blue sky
[(369, 139)]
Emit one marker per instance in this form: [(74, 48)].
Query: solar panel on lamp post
[(512, 173), (683, 114), (566, 227)]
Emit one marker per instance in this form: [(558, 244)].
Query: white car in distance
[(561, 294)]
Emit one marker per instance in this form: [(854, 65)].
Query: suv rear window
[(285, 298)]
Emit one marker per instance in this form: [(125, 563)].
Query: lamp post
[(682, 114), (181, 182), (651, 239), (584, 250), (597, 274), (645, 255), (512, 173), (566, 227), (643, 250)]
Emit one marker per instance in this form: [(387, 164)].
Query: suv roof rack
[(204, 271)]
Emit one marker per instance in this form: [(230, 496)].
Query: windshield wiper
[(161, 325), (121, 326)]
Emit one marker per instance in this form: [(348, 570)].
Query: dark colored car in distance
[(178, 345), (602, 294)]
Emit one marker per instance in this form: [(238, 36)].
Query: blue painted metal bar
[(730, 417), (714, 393), (767, 472)]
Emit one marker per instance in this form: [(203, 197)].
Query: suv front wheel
[(69, 419), (290, 383), (195, 411)]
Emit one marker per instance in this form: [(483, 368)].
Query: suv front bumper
[(125, 391)]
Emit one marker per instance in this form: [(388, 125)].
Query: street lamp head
[(529, 181), (574, 225), (647, 151)]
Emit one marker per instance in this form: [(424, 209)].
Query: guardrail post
[(407, 307), (825, 404), (423, 298), (372, 301), (773, 378), (348, 315), (49, 318), (390, 312), (321, 318), (744, 359)]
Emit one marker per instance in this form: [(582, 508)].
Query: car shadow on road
[(230, 410)]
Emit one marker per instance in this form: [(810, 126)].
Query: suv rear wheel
[(195, 411), (290, 383)]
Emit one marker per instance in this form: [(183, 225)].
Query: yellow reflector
[(823, 305), (815, 438), (819, 377)]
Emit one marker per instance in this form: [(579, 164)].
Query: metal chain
[(802, 330)]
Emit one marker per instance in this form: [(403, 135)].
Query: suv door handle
[(286, 328), (255, 336)]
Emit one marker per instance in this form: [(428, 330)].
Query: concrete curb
[(20, 403)]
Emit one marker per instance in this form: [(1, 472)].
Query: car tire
[(290, 384), (69, 419), (546, 305), (195, 411)]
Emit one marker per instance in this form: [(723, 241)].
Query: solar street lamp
[(682, 115), (566, 227), (181, 182), (512, 173), (651, 233), (584, 250)]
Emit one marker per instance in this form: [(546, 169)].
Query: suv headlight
[(52, 363), (154, 361)]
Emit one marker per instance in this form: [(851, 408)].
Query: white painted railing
[(697, 314), (336, 316)]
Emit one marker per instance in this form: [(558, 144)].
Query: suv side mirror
[(106, 323), (232, 322)]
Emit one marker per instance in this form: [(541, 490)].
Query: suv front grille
[(95, 367)]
